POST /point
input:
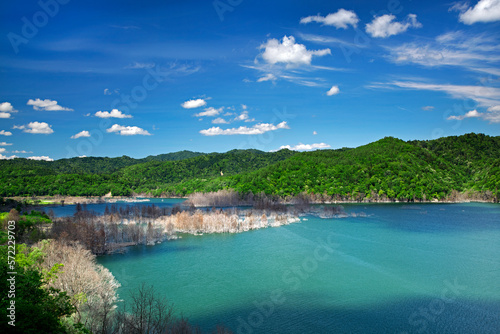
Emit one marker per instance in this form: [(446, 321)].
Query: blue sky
[(113, 78)]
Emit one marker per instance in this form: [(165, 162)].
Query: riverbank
[(72, 200)]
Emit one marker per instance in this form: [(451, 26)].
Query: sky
[(139, 78)]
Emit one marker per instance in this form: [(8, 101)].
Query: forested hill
[(92, 165), (388, 168)]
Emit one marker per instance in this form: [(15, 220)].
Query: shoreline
[(72, 200)]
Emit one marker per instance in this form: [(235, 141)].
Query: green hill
[(388, 168)]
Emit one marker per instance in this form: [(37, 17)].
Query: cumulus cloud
[(484, 11), (257, 129), (220, 120), (127, 130), (190, 104), (6, 109), (385, 25), (80, 134), (5, 144), (210, 112), (288, 52), (341, 19), (2, 150), (493, 115), (4, 157), (41, 158), (267, 77), (115, 113), (242, 117), (315, 133), (49, 105), (333, 91), (35, 128), (427, 108), (304, 147), (5, 133)]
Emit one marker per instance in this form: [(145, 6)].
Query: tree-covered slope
[(388, 168), (27, 177)]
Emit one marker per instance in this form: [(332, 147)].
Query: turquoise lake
[(420, 268)]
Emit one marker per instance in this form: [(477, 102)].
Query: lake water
[(421, 268)]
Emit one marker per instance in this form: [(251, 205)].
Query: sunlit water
[(432, 268)]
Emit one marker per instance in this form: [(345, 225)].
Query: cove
[(420, 268)]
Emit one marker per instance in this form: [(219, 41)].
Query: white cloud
[(385, 26), (333, 91), (427, 108), (483, 11), (194, 104), (35, 128), (257, 129), (83, 133), (137, 65), (493, 115), (127, 130), (315, 133), (304, 147), (242, 117), (41, 158), (106, 91), (2, 150), (288, 52), (209, 112), (23, 152), (469, 114), (484, 95), (341, 19), (5, 144), (4, 157), (220, 120), (115, 113), (6, 109), (49, 105), (267, 77), (244, 106), (479, 53), (5, 133)]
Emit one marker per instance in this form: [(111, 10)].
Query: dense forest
[(388, 169)]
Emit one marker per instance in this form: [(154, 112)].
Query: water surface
[(423, 268)]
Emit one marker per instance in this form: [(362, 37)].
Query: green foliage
[(388, 168), (38, 309)]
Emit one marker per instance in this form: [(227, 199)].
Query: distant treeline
[(463, 167)]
